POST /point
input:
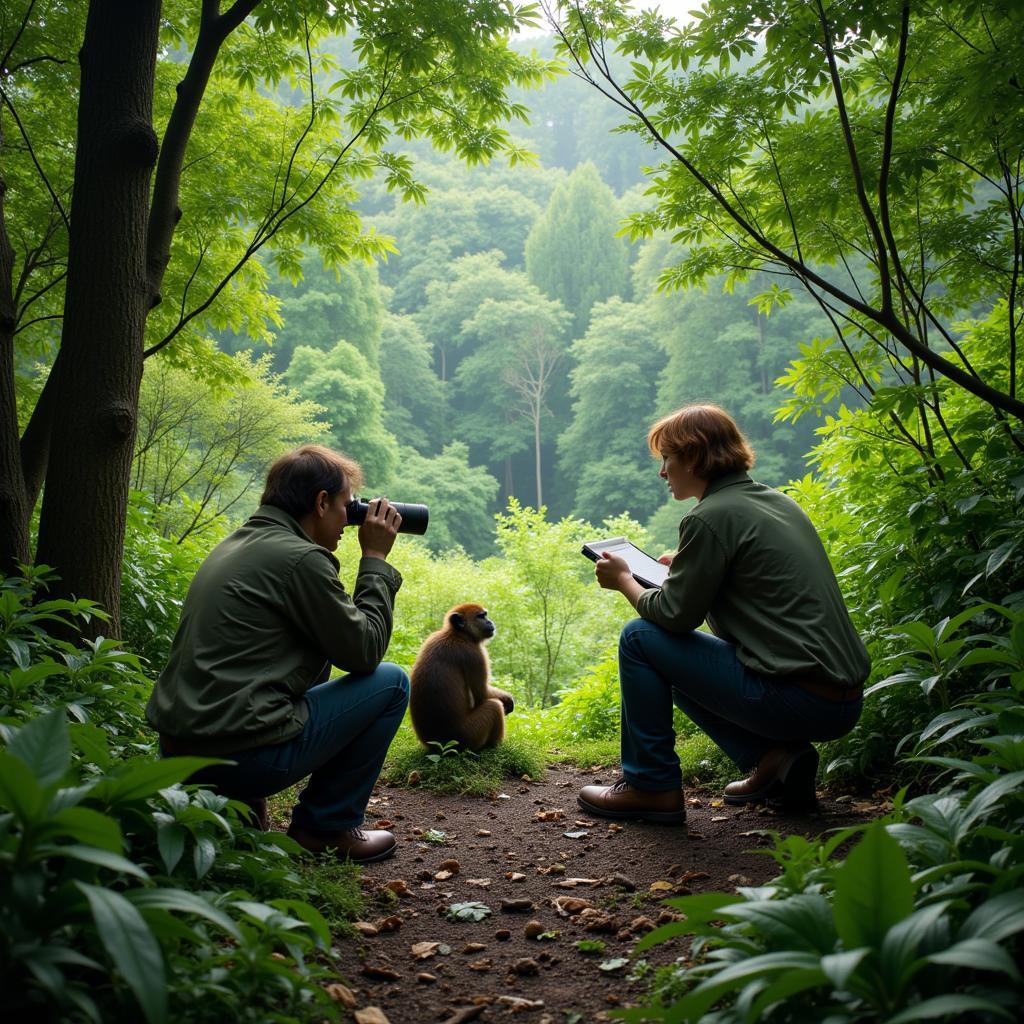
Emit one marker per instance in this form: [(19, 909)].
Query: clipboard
[(647, 571)]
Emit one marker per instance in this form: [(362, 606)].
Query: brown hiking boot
[(785, 775), (363, 846), (621, 800)]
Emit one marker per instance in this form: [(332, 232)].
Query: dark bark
[(96, 390), (14, 511)]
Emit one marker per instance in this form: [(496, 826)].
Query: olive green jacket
[(751, 563), (264, 615)]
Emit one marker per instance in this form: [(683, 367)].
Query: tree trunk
[(536, 457), (14, 512), (81, 530)]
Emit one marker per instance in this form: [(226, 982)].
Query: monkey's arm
[(506, 698)]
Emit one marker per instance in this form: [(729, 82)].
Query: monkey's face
[(476, 624)]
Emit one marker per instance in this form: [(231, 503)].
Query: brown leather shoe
[(785, 774), (363, 846), (621, 800)]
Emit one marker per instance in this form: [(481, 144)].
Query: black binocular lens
[(415, 518)]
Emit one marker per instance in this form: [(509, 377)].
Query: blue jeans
[(352, 720), (745, 713)]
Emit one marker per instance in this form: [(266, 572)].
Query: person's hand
[(612, 572), (379, 529), (666, 559)]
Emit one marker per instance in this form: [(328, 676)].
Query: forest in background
[(516, 345)]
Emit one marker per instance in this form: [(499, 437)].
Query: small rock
[(481, 965), (622, 881), (526, 965), (516, 906), (474, 947), (503, 935), (451, 866), (533, 929), (426, 979), (482, 832)]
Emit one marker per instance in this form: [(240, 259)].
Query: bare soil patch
[(545, 869)]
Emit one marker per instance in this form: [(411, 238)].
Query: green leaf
[(999, 556), (142, 777), (44, 746), (132, 947), (946, 1006), (203, 855), (873, 890), (803, 922), (838, 967), (19, 791), (94, 855), (310, 915), (170, 840), (472, 911), (978, 955), (184, 902), (996, 919), (87, 826)]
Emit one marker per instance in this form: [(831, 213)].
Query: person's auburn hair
[(298, 476), (704, 437)]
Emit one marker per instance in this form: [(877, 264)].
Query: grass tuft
[(522, 753)]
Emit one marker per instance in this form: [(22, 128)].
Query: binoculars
[(414, 517)]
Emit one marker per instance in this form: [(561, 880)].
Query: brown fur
[(452, 697)]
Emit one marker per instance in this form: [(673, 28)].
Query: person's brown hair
[(298, 476), (705, 437)]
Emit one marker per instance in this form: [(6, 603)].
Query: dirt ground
[(551, 876)]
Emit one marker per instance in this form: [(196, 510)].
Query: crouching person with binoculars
[(265, 619)]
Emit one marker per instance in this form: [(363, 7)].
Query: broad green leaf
[(979, 955), (990, 796), (132, 947), (203, 855), (92, 742), (94, 855), (839, 967), (999, 556), (901, 943), (308, 914), (22, 679), (948, 1006), (19, 791), (170, 840), (142, 777), (873, 890), (803, 922), (996, 919), (44, 746), (87, 826), (184, 902)]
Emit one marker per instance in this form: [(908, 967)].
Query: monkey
[(452, 697)]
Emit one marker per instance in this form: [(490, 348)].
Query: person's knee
[(630, 631), (395, 676)]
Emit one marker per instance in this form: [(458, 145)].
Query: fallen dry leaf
[(365, 928), (449, 865), (371, 1015), (717, 803), (424, 950), (398, 886), (585, 822), (481, 965), (342, 994), (567, 906), (551, 869), (426, 979), (380, 971), (517, 1004), (442, 876), (514, 876), (383, 823), (480, 882), (661, 886), (720, 817), (389, 924), (474, 947)]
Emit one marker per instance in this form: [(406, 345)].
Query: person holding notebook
[(782, 665)]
